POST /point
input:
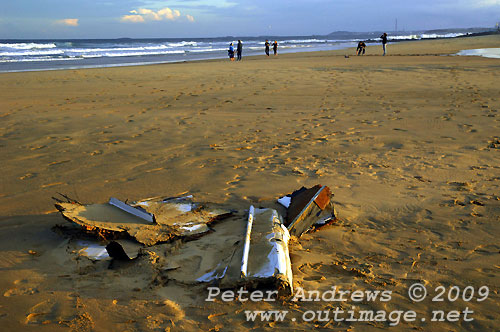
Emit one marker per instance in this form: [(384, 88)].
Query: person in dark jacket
[(361, 48), (239, 50), (275, 48), (267, 47), (384, 42)]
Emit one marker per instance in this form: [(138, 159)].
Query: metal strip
[(246, 248), (127, 208)]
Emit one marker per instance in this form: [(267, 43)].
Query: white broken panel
[(181, 204), (148, 221), (285, 201), (182, 213), (92, 251)]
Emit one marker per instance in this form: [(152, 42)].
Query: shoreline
[(340, 51)]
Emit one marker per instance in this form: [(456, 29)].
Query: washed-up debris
[(260, 258), (96, 251), (122, 250), (307, 207), (265, 251), (285, 201), (93, 251), (245, 251), (210, 259), (149, 221), (135, 211)]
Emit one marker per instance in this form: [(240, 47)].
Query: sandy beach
[(408, 143)]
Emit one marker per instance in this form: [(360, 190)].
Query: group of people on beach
[(239, 49), (361, 45), (360, 50), (275, 47)]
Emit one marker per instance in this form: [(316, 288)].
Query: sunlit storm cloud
[(142, 15), (72, 22)]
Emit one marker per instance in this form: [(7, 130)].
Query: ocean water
[(28, 55), (24, 55), (493, 53)]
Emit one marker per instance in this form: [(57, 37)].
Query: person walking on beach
[(267, 47), (384, 42), (239, 50), (275, 48), (361, 48), (230, 52)]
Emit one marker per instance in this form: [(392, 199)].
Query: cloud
[(73, 22), (132, 18), (168, 13), (143, 14)]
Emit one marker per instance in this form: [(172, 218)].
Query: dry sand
[(408, 143)]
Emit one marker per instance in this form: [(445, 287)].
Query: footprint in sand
[(42, 313), (394, 145), (235, 180), (59, 162), (38, 147), (51, 184), (247, 147), (461, 186), (155, 170), (341, 269), (28, 176), (115, 142), (22, 288), (494, 143)]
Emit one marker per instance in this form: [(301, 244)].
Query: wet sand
[(408, 143)]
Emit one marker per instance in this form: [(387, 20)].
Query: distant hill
[(458, 30), (345, 35)]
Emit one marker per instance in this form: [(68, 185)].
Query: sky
[(49, 19)]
